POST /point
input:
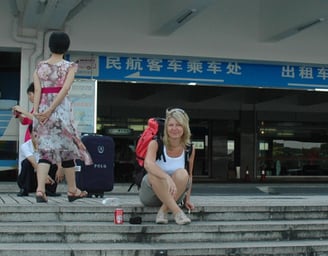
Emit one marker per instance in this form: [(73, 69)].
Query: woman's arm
[(150, 161), (24, 116), (64, 91), (44, 116), (37, 92)]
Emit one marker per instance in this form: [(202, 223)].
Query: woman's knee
[(180, 175)]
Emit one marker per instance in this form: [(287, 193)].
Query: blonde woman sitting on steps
[(168, 183)]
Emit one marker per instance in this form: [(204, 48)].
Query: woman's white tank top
[(172, 163)]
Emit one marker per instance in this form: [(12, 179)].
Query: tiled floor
[(214, 195)]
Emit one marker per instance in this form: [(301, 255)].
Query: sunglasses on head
[(172, 110)]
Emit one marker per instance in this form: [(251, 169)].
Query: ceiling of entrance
[(278, 19), (45, 14)]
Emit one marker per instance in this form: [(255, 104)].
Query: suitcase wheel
[(101, 195)]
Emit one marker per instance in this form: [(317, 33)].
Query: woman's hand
[(59, 174), (44, 116), (189, 205), (172, 188), (50, 181), (18, 108)]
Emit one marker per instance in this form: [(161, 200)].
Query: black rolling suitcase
[(99, 177)]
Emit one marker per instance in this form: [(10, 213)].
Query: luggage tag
[(77, 168)]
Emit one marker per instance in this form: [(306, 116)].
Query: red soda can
[(118, 216)]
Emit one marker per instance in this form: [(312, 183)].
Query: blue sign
[(202, 72)]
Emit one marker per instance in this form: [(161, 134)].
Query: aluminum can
[(118, 216)]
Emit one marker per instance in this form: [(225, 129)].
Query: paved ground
[(202, 195), (217, 189)]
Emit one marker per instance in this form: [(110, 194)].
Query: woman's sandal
[(78, 194), (41, 197)]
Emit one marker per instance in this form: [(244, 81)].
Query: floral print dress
[(58, 138)]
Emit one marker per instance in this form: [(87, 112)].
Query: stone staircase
[(220, 226), (86, 227)]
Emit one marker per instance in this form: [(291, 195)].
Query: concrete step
[(92, 209), (200, 231), (263, 248), (221, 225)]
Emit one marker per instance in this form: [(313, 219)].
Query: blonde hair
[(183, 119)]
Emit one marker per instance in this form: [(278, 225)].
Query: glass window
[(289, 149)]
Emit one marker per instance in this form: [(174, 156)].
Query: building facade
[(253, 87)]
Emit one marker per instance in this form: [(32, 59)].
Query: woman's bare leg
[(161, 190), (42, 175), (70, 179), (180, 178)]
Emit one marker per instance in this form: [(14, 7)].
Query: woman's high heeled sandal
[(41, 197), (78, 194)]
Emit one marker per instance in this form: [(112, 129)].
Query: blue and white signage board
[(83, 95), (202, 72)]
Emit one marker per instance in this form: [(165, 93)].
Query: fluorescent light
[(321, 90), (293, 31), (185, 16)]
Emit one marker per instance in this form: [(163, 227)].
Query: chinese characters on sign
[(173, 65), (209, 72)]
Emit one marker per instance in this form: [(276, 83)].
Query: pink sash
[(50, 90)]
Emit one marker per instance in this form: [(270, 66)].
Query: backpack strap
[(160, 150), (188, 152)]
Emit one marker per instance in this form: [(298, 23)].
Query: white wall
[(6, 27), (232, 29), (228, 29)]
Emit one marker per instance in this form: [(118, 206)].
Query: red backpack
[(154, 130)]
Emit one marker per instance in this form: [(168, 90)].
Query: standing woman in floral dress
[(59, 141)]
